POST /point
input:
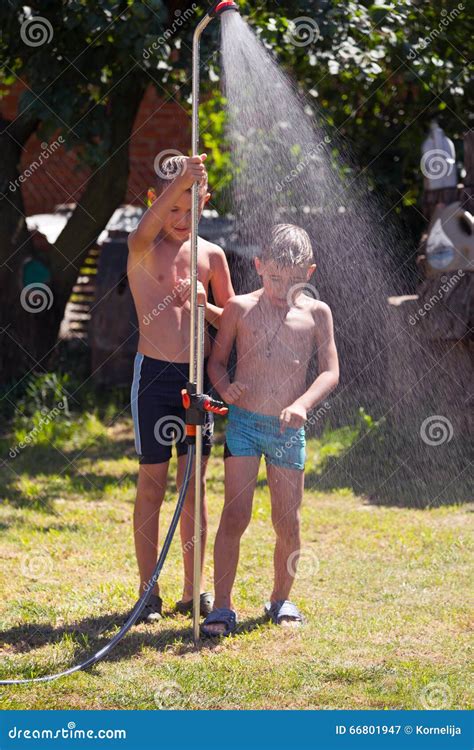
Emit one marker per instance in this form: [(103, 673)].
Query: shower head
[(222, 6)]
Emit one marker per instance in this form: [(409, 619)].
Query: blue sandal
[(222, 616), (276, 611)]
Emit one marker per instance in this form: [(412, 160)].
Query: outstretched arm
[(295, 415)]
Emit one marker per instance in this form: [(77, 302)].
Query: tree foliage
[(377, 73)]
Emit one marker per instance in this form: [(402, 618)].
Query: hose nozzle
[(222, 6)]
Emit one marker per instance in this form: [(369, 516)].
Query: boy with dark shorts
[(277, 330), (158, 272)]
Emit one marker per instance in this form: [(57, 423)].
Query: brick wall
[(159, 125)]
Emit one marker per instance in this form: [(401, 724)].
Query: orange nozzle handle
[(222, 410)]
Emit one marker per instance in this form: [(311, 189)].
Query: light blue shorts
[(251, 434)]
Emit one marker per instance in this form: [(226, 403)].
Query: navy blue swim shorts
[(158, 414)]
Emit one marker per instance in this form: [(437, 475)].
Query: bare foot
[(217, 628), (221, 621), (284, 613)]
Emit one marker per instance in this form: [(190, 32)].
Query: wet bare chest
[(288, 344), (166, 268)]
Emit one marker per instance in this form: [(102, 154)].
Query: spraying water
[(290, 169)]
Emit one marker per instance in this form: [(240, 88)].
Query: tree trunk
[(15, 246), (29, 323)]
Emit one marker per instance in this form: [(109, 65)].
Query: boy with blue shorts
[(277, 330)]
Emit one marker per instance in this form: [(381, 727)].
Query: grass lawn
[(386, 593)]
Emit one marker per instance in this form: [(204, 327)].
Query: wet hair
[(169, 169), (288, 246)]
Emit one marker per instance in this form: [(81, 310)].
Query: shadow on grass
[(92, 485), (93, 633), (16, 499), (48, 459), (252, 623), (392, 467), (46, 529), (44, 460), (67, 476), (395, 484)]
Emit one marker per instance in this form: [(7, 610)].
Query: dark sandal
[(152, 612), (276, 611), (205, 608), (223, 616)]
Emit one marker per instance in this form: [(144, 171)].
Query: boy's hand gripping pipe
[(141, 603), (196, 333)]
